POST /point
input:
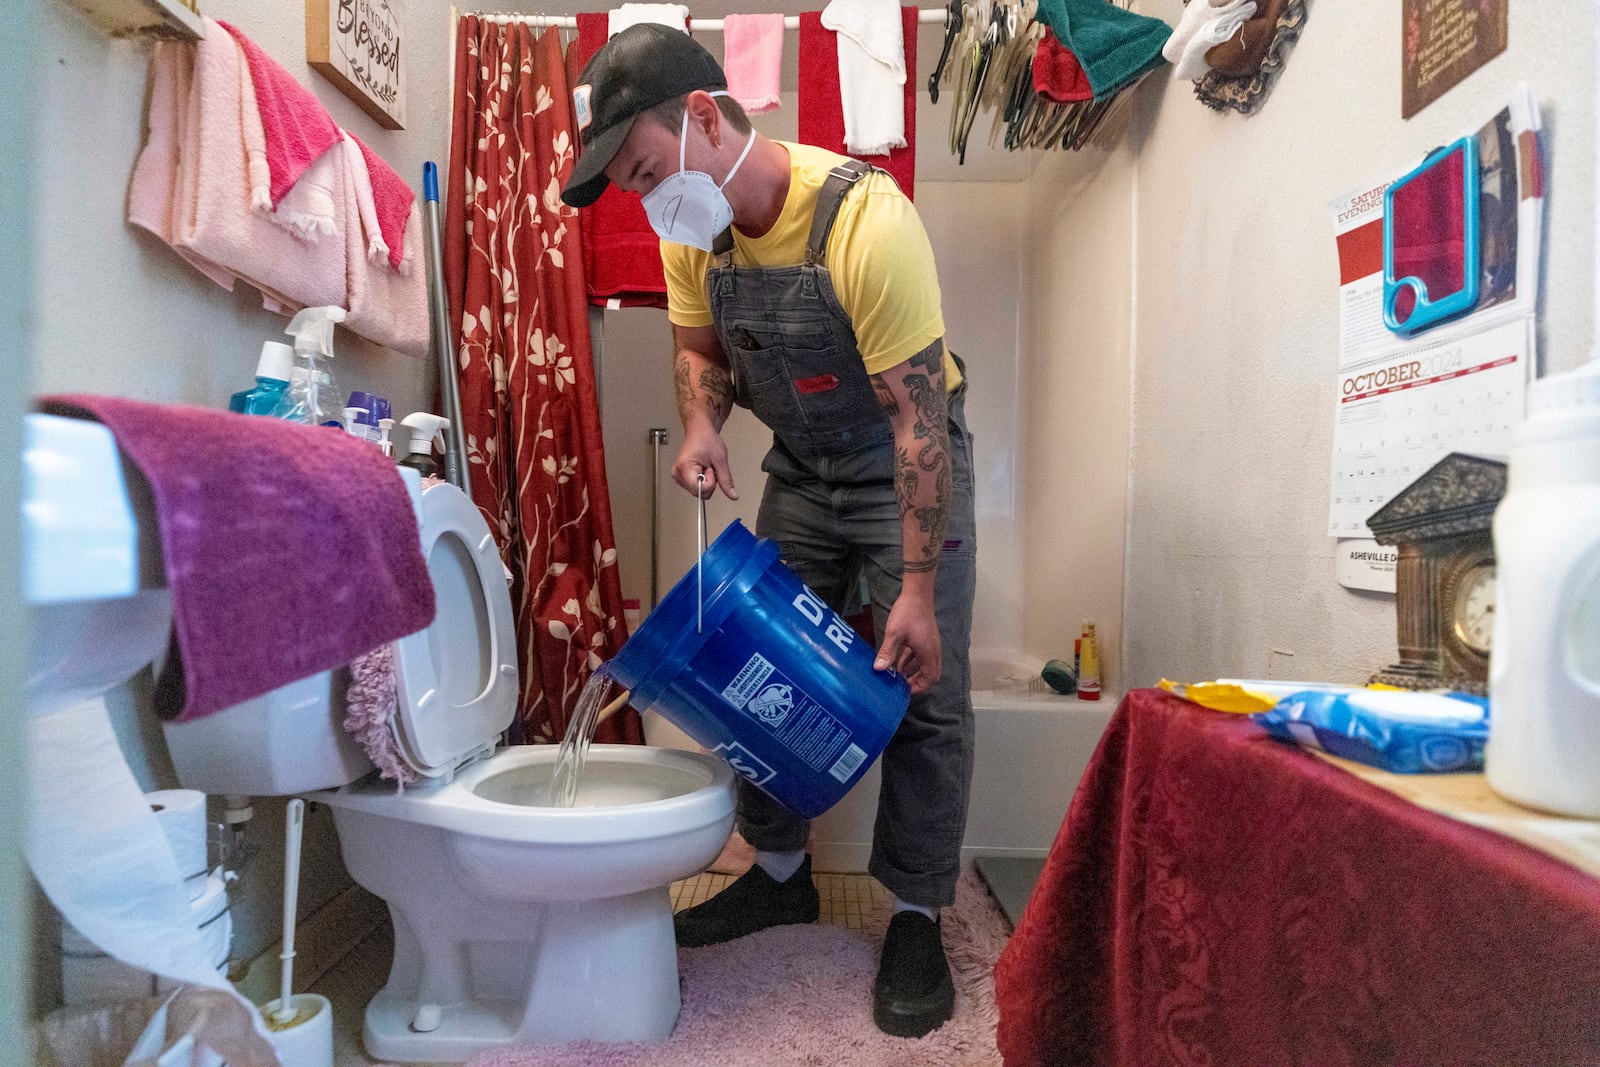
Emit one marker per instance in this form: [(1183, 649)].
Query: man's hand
[(705, 397), (911, 642), (704, 452)]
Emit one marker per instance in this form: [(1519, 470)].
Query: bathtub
[(1031, 748)]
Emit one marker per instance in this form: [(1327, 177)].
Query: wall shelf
[(126, 18)]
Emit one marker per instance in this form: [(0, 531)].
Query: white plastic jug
[(1544, 666)]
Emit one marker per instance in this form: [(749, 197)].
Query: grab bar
[(658, 438)]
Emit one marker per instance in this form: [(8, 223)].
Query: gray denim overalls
[(830, 504)]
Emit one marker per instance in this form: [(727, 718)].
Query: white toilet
[(514, 922)]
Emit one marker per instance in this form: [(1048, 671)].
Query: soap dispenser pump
[(425, 427), (314, 398)]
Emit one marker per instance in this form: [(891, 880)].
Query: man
[(801, 285)]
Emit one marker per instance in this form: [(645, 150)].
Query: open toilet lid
[(457, 679)]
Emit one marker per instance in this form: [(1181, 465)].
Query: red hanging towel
[(822, 113), (1057, 74), (621, 253)]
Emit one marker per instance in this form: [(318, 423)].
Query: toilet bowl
[(514, 922)]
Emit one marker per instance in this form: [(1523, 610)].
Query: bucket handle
[(700, 557)]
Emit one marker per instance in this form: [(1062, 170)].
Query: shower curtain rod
[(568, 22)]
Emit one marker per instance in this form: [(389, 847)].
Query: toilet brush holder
[(306, 1040)]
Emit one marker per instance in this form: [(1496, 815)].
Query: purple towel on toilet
[(288, 549)]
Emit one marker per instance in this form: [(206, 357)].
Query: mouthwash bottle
[(272, 382)]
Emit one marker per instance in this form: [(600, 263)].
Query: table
[(1216, 897)]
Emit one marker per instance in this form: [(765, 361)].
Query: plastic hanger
[(953, 23)]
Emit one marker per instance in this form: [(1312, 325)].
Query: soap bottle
[(374, 409), (1088, 664), (424, 427), (313, 397), (385, 425), (1544, 654), (272, 382)]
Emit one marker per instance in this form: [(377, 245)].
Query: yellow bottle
[(1089, 664)]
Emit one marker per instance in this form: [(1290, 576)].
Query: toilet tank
[(291, 740)]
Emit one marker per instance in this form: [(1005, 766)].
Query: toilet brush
[(293, 826), (301, 1027)]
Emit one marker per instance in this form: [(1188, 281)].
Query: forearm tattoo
[(715, 392), (685, 391), (717, 388), (925, 465)]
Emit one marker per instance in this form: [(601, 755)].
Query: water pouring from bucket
[(753, 665)]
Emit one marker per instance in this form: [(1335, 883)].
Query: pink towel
[(753, 58), (288, 549), (393, 198), (191, 185), (387, 307), (156, 173), (298, 127)]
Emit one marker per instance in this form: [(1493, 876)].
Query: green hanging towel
[(1114, 45)]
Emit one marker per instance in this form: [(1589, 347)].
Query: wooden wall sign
[(1443, 41), (357, 45)]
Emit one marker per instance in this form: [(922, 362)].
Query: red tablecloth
[(1218, 898)]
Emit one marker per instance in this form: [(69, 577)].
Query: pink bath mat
[(801, 996)]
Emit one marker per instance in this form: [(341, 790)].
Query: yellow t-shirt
[(878, 259)]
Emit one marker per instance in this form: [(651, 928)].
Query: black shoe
[(753, 902), (913, 994)]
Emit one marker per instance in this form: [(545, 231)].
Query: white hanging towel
[(872, 73), (620, 18), (1204, 25)]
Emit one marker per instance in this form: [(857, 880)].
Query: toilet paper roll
[(99, 855), (181, 814), (214, 920)]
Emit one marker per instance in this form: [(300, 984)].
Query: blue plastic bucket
[(774, 682)]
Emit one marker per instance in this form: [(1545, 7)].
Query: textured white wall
[(1074, 409), (115, 311), (1235, 329)]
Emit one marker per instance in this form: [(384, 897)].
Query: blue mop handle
[(430, 182)]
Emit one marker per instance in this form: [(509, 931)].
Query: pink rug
[(802, 996)]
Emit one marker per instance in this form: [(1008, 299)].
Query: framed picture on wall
[(357, 45), (1443, 41)]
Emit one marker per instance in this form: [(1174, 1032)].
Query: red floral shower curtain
[(514, 266)]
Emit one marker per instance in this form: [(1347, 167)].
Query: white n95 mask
[(688, 207)]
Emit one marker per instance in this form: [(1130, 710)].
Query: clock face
[(1474, 608)]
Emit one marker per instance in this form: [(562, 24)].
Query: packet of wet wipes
[(1409, 733)]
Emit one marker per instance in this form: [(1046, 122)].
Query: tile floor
[(848, 900)]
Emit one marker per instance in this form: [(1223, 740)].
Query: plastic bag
[(190, 1027), (1409, 733)]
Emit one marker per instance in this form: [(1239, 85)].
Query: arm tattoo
[(885, 395), (931, 464), (685, 391), (717, 387)]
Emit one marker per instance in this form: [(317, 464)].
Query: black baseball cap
[(640, 67)]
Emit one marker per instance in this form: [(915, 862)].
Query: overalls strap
[(834, 189)]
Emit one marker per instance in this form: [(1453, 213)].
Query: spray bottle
[(313, 397), (272, 382), (424, 427)]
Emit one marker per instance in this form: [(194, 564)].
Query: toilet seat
[(456, 680)]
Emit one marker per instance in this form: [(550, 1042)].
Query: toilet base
[(602, 970)]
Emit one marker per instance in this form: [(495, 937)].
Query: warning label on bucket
[(798, 722), (748, 681)]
